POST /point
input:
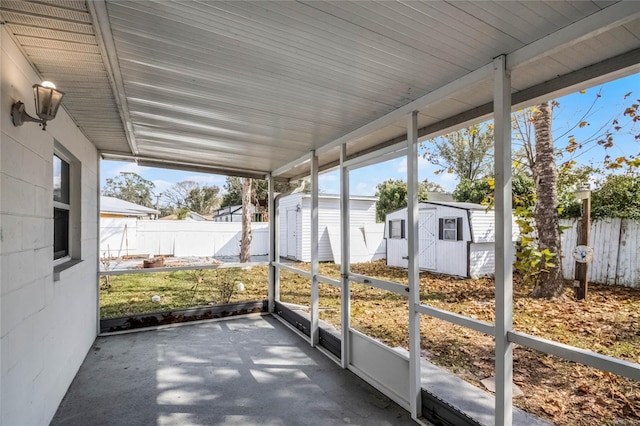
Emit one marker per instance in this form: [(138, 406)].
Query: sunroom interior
[(278, 91)]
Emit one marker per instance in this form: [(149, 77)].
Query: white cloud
[(365, 188), (423, 165), (161, 185), (205, 179), (328, 178), (448, 181), (448, 177)]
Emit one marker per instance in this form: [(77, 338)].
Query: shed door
[(292, 223), (427, 228)]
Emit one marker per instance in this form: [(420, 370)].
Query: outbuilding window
[(450, 228), (396, 228)]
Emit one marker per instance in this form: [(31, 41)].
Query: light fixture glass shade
[(48, 100)]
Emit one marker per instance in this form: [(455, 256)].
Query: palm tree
[(550, 283), (245, 242)]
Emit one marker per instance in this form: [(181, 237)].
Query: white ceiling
[(251, 87)]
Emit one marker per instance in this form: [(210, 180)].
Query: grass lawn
[(131, 294), (608, 322)]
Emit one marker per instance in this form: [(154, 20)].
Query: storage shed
[(454, 238), (367, 237)]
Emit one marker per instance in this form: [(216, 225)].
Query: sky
[(363, 181)]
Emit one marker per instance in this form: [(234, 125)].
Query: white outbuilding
[(454, 238), (366, 237)]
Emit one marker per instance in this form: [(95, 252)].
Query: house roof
[(114, 205), (191, 216), (250, 88)]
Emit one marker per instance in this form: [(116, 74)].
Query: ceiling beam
[(597, 23), (183, 165), (100, 17), (306, 158)]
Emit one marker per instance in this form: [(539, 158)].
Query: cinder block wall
[(47, 325)]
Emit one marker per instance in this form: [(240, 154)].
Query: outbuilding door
[(292, 222), (427, 237)]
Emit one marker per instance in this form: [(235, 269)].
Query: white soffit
[(253, 87), (58, 38)]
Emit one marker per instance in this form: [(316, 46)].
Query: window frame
[(393, 225), (70, 202), (447, 229), (64, 205), (459, 228)]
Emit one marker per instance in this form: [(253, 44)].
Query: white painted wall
[(46, 326), (476, 247), (451, 256), (287, 206)]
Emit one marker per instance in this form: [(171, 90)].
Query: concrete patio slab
[(248, 370)]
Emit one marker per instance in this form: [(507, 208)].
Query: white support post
[(504, 267), (274, 275), (98, 194), (345, 296), (315, 304), (415, 398)]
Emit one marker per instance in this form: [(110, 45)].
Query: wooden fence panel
[(616, 248), (568, 240), (604, 241), (628, 265)]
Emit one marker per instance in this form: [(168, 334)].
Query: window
[(61, 208), (396, 228), (450, 228)]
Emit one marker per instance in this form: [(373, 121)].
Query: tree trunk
[(550, 284), (245, 243)]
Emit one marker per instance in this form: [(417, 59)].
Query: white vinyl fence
[(130, 237), (615, 242), (616, 248)]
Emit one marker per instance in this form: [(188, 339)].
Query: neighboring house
[(190, 217), (366, 237), (454, 238), (115, 208), (234, 214)]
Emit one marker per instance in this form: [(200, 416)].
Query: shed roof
[(371, 198), (114, 205), (457, 205), (249, 88)]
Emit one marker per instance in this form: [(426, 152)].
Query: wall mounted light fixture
[(47, 100)]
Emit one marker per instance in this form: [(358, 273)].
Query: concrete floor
[(248, 370)]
